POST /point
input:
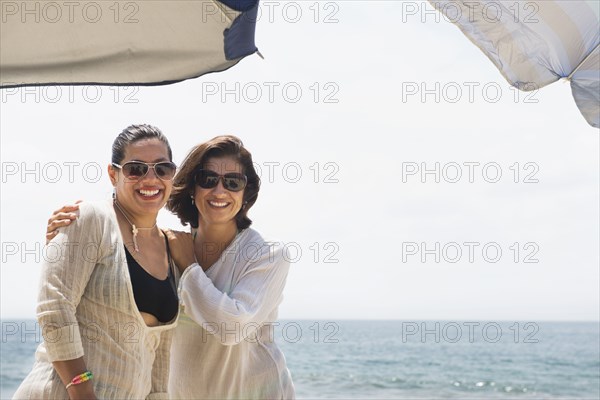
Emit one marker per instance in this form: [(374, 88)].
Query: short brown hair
[(180, 202)]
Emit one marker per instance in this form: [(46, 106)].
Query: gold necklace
[(134, 229)]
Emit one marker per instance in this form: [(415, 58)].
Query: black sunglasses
[(136, 170), (234, 181)]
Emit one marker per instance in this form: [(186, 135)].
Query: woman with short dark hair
[(231, 285)]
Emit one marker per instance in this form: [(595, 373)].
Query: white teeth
[(217, 204), (149, 192)]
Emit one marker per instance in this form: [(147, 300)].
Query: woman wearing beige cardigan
[(108, 300)]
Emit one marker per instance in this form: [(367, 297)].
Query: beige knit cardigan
[(86, 308)]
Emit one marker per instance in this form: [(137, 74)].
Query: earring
[(192, 197), (114, 195)]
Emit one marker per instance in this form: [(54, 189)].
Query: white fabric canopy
[(535, 43), (120, 42)]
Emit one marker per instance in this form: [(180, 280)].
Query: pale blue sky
[(364, 61)]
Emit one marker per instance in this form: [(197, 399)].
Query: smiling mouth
[(148, 193), (218, 204)]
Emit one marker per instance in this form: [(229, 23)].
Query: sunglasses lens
[(234, 182), (135, 170), (207, 179), (165, 170)]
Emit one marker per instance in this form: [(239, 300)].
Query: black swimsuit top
[(153, 296)]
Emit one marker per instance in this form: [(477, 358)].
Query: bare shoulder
[(173, 234)]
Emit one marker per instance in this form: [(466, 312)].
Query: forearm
[(69, 369), (206, 304), (243, 310)]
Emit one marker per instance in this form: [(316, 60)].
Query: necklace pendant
[(134, 231)]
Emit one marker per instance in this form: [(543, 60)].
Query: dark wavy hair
[(132, 134), (180, 202)]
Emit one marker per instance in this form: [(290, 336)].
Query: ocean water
[(406, 359)]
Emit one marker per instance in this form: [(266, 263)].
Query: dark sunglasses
[(234, 181), (136, 170)]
